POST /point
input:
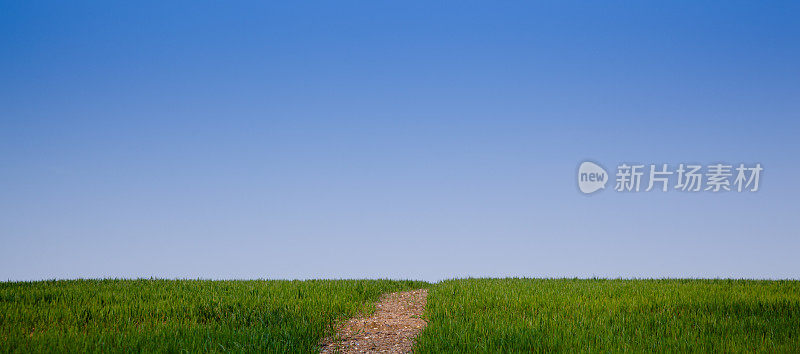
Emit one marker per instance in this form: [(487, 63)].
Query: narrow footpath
[(391, 329)]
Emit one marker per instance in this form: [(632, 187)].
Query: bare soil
[(391, 329)]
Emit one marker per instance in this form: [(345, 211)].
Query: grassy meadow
[(466, 315), (515, 315), (180, 315)]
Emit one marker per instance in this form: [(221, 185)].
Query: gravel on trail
[(391, 329)]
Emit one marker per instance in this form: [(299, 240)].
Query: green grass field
[(469, 315), (502, 315), (180, 315)]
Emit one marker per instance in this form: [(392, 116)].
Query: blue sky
[(392, 139)]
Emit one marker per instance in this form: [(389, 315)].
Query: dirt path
[(392, 328)]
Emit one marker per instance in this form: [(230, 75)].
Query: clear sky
[(422, 140)]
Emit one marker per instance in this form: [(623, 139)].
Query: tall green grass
[(511, 315), (180, 315)]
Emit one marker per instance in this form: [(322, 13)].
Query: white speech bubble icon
[(591, 177)]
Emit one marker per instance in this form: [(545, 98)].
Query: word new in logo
[(591, 177)]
